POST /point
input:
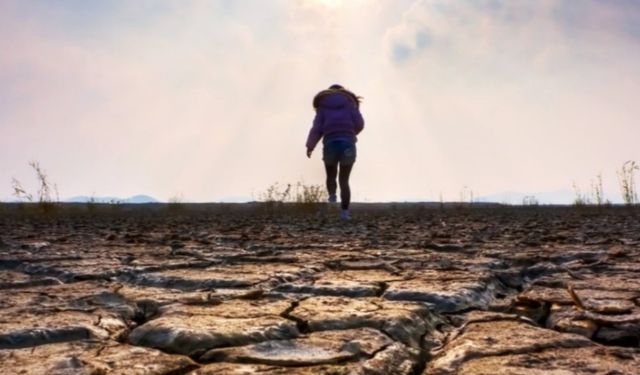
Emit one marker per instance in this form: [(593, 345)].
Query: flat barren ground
[(268, 289)]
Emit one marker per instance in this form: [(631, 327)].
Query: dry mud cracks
[(400, 290)]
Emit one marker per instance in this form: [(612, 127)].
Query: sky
[(211, 100)]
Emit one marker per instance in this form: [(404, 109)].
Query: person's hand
[(309, 151)]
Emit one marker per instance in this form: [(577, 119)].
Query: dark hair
[(332, 89)]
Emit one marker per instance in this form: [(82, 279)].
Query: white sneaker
[(345, 215)]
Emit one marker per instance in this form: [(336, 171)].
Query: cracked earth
[(402, 289)]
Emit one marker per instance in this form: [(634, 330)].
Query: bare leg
[(345, 191)]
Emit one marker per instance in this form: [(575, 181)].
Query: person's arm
[(358, 120), (315, 133)]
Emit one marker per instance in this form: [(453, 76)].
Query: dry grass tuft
[(626, 178), (581, 199), (47, 192), (298, 197), (176, 203)]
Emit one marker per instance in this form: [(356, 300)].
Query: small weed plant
[(305, 197), (176, 203), (47, 193), (530, 200), (597, 194), (580, 198), (276, 193), (20, 192), (92, 203), (626, 179), (309, 194), (466, 195), (593, 196)]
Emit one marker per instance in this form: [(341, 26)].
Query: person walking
[(337, 122)]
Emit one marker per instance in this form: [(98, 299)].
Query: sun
[(331, 3)]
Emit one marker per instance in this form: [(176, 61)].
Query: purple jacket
[(337, 117)]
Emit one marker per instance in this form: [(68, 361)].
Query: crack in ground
[(303, 325), (383, 286)]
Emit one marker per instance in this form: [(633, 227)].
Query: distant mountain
[(134, 199), (141, 199)]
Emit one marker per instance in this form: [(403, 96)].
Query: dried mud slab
[(59, 313), (155, 297), (88, 261), (248, 369), (508, 345), (447, 291), (403, 321), (86, 297), (80, 269), (589, 296), (90, 357), (425, 262), (319, 348), (14, 280), (578, 361), (194, 329), (395, 359), (607, 306), (38, 328), (345, 288), (351, 283), (616, 281), (228, 276), (34, 252), (321, 256), (568, 319)]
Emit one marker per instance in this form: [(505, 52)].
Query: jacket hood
[(334, 99)]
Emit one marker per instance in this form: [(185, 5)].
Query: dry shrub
[(92, 204), (597, 191), (309, 194), (309, 197), (47, 192), (581, 199), (466, 195), (176, 203), (626, 178), (593, 196), (306, 197), (20, 192), (276, 193)]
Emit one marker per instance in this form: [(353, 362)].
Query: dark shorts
[(339, 151)]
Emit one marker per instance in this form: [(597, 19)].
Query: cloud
[(543, 34)]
